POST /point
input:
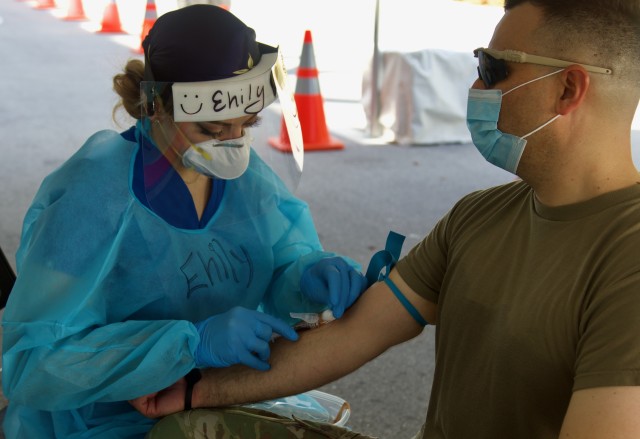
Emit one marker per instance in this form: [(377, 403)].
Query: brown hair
[(600, 32), (127, 86)]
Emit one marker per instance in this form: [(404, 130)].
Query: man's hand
[(162, 403)]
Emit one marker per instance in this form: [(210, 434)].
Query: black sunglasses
[(491, 70), (492, 66)]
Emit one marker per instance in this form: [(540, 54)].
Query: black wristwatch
[(192, 378)]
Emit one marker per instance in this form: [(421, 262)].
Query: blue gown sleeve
[(68, 340), (51, 367), (62, 350)]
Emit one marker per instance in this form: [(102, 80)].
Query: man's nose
[(478, 84)]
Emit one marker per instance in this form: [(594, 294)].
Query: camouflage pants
[(243, 423)]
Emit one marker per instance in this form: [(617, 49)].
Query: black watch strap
[(192, 378)]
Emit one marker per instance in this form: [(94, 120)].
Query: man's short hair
[(599, 32)]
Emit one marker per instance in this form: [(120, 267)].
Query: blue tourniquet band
[(385, 258), (388, 258), (405, 302)]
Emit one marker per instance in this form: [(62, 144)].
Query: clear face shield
[(204, 128)]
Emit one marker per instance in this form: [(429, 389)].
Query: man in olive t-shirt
[(534, 286), (534, 303)]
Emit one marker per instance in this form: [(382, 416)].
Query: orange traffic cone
[(45, 4), (111, 19), (310, 107), (150, 16), (76, 11)]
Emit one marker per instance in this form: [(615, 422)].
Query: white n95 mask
[(225, 159)]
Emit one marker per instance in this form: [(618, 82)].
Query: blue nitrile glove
[(333, 282), (239, 335)]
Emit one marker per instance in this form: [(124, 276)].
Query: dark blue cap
[(199, 43)]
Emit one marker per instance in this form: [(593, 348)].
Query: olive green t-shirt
[(534, 302)]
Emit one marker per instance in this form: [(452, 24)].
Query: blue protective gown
[(107, 291)]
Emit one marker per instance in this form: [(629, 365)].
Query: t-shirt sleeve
[(424, 267), (608, 350)]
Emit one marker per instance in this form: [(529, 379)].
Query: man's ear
[(575, 81)]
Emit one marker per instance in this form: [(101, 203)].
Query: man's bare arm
[(375, 323), (611, 412)]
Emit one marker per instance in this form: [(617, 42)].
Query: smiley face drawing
[(191, 105)]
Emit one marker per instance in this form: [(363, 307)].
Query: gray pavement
[(55, 89)]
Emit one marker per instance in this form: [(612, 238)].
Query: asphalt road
[(55, 91)]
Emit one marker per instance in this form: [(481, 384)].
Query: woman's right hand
[(239, 336)]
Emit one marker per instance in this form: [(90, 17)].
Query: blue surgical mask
[(483, 110)]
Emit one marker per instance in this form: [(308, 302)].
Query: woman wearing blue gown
[(167, 248)]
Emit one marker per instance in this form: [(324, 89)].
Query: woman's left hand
[(334, 282)]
